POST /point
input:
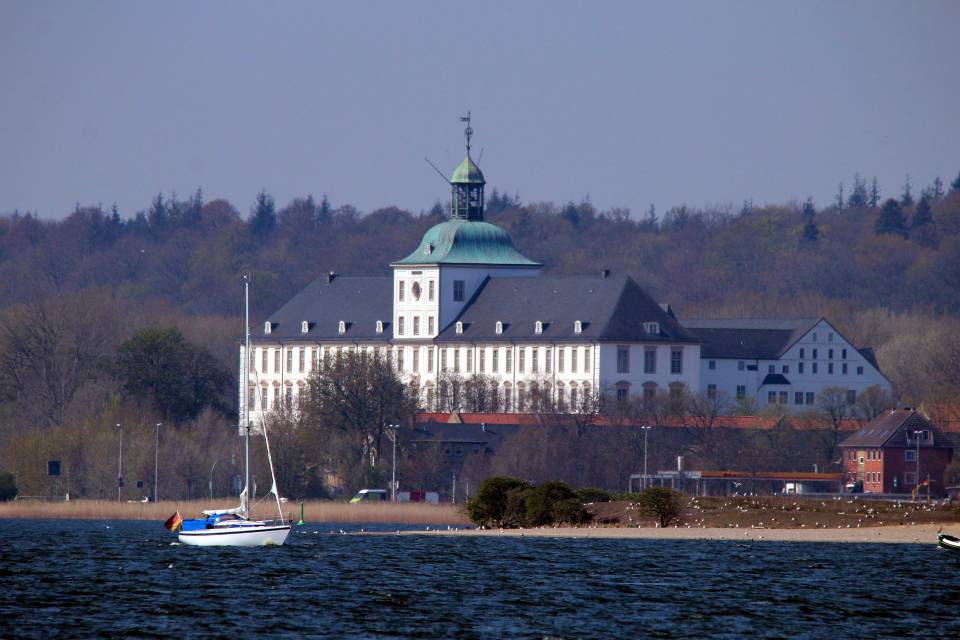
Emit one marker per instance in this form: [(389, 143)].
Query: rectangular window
[(494, 357), (400, 290), (459, 291), (810, 397), (650, 360), (814, 339), (676, 360), (712, 391), (456, 360), (830, 368), (534, 358), (799, 367), (316, 358), (798, 397), (302, 362), (573, 359), (521, 359), (830, 354), (771, 397), (416, 325), (276, 397), (470, 360), (814, 367), (289, 360), (910, 455), (910, 477), (443, 359), (430, 325), (586, 359), (843, 368), (509, 361), (431, 288), (741, 391), (785, 369), (483, 360), (851, 396), (741, 365), (276, 360), (859, 371), (711, 364), (416, 360), (400, 326), (801, 353), (560, 353), (843, 354), (783, 397), (548, 366), (829, 337), (771, 368), (621, 395), (429, 359), (400, 359), (623, 359), (814, 354)]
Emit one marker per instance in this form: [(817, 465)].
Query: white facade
[(821, 358)]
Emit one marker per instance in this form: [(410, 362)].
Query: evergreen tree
[(158, 215), (906, 198), (874, 194), (955, 185), (891, 219), (922, 214), (810, 231), (858, 197), (838, 199), (938, 192), (324, 211), (263, 216)]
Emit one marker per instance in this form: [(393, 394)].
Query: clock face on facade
[(416, 290)]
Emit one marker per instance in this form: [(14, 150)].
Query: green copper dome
[(461, 241), (467, 173)]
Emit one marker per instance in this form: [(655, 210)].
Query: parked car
[(369, 495)]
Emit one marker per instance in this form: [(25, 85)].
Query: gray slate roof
[(359, 302), (890, 429), (611, 308), (748, 338)]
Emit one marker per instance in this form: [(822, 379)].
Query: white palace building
[(466, 302)]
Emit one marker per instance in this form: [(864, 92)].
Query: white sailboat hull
[(241, 536)]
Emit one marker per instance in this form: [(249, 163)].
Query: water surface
[(114, 579)]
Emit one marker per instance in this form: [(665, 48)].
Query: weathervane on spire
[(468, 132)]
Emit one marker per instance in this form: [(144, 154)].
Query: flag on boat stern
[(173, 522)]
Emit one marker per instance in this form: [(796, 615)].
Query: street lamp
[(120, 464), (646, 430), (393, 470), (916, 435), (156, 462)]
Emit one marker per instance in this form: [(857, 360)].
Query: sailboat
[(235, 527)]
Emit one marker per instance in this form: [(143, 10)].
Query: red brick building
[(890, 453)]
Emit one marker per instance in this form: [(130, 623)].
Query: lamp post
[(120, 464), (156, 462), (646, 430), (393, 469), (916, 435)]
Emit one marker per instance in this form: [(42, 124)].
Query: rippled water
[(81, 579)]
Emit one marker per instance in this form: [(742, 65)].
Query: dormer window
[(427, 249), (498, 329), (267, 327), (342, 327), (379, 326), (653, 328), (304, 327), (577, 326), (538, 327), (459, 327)]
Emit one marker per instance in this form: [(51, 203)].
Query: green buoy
[(301, 523)]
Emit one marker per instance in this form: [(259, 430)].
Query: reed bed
[(318, 511)]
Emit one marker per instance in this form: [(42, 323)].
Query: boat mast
[(246, 387)]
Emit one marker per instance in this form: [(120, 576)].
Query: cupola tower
[(467, 182)]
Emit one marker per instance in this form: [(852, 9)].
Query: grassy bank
[(314, 511)]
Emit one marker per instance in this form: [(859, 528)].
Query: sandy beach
[(899, 534)]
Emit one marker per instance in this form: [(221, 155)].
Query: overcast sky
[(625, 102)]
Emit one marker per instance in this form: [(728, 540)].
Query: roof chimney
[(331, 276), (605, 273)]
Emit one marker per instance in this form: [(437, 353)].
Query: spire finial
[(468, 132)]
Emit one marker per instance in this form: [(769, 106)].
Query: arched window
[(507, 397), (574, 397), (429, 395), (267, 327), (538, 327), (379, 326), (561, 396), (459, 327), (521, 397), (577, 326), (499, 328), (304, 327), (342, 327)]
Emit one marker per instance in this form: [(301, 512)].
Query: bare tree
[(832, 402)]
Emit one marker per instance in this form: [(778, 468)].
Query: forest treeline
[(87, 300)]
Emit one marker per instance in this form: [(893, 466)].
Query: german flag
[(173, 522)]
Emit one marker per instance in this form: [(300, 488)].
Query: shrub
[(8, 486), (591, 494), (499, 502), (662, 503), (552, 502)]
